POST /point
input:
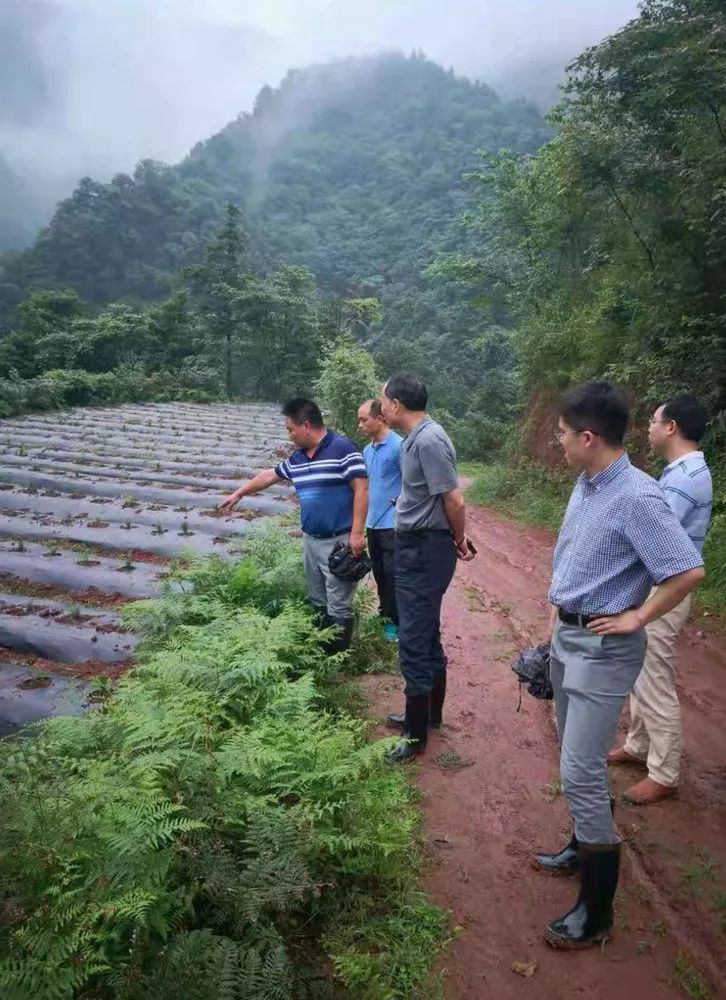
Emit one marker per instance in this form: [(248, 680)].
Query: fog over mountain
[(92, 86)]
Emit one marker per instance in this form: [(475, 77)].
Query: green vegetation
[(351, 172), (348, 377), (526, 492), (607, 251), (220, 826)]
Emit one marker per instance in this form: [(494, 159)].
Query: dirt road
[(491, 799)]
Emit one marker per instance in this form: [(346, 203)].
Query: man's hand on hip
[(622, 624), (357, 543)]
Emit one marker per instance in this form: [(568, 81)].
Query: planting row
[(94, 504)]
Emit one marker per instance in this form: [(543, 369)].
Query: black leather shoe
[(398, 721), (415, 731), (565, 862), (591, 918)]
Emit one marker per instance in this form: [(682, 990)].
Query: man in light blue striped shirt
[(618, 538), (654, 739)]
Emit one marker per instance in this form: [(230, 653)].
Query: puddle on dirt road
[(21, 702)]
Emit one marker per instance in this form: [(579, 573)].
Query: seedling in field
[(22, 451), (19, 546), (75, 611), (158, 529), (185, 528), (127, 566), (127, 525), (130, 500), (53, 550)]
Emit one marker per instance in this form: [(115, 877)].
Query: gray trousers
[(324, 589), (592, 676)]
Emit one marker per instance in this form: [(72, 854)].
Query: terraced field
[(94, 504)]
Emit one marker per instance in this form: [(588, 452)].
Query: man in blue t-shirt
[(329, 476), (383, 463)]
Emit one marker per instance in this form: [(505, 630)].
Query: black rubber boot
[(436, 702), (342, 640), (564, 862), (415, 731), (591, 918), (397, 720), (320, 616)]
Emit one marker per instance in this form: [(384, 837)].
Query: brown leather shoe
[(648, 791), (621, 756)]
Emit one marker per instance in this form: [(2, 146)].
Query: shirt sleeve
[(353, 464), (438, 462), (677, 492), (659, 539), (282, 471)]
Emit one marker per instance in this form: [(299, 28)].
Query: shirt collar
[(324, 442), (386, 440), (683, 458), (417, 429), (609, 474)]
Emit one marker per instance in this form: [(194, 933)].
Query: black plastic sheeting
[(63, 571), (64, 643), (37, 507), (220, 486), (19, 707), (113, 536), (150, 494)]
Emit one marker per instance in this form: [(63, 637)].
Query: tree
[(217, 285), (347, 379)]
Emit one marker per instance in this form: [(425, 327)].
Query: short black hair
[(599, 407), (300, 410), (688, 415), (409, 390), (375, 408)]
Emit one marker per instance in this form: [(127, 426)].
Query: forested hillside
[(355, 170), (608, 248)]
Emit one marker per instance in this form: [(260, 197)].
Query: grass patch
[(689, 979), (527, 493)]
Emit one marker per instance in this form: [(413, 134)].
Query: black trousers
[(382, 550), (425, 565)]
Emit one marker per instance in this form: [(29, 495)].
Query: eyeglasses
[(560, 435)]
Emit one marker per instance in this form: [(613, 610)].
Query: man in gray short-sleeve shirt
[(428, 472), (430, 537)]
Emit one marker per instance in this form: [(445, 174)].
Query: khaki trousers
[(655, 714)]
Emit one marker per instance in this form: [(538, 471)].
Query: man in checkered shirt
[(619, 538)]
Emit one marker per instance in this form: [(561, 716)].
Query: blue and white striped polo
[(689, 491), (323, 484), (618, 538)]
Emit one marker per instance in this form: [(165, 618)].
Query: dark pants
[(382, 548), (425, 564)]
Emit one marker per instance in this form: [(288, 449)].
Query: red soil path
[(486, 815)]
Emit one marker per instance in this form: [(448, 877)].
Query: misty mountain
[(355, 169)]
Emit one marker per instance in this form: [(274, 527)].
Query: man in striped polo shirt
[(654, 739), (330, 478)]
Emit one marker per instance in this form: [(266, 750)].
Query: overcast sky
[(91, 86)]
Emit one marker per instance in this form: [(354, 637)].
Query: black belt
[(329, 534), (572, 619)]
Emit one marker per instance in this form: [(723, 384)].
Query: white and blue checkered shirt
[(618, 538)]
